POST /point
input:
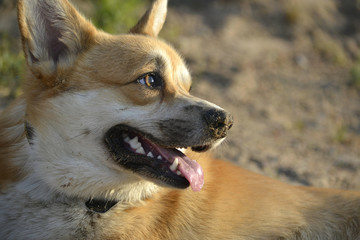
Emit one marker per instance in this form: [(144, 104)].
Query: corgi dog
[(93, 148)]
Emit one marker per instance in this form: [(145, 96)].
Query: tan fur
[(233, 204)]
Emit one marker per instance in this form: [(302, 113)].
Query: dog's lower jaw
[(132, 193)]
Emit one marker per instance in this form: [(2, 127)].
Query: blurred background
[(288, 70)]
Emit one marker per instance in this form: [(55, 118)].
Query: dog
[(108, 143)]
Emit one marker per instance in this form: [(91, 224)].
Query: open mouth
[(140, 153)]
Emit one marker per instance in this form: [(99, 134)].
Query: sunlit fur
[(83, 82)]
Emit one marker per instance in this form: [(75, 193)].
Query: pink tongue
[(189, 168)]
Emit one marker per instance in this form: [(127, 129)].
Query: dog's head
[(106, 114)]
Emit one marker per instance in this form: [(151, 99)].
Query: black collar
[(100, 205)]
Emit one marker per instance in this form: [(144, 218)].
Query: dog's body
[(89, 151)]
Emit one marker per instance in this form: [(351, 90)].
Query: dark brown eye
[(151, 81)]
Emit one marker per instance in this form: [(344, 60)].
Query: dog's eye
[(150, 80)]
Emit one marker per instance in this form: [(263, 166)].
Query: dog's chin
[(143, 154)]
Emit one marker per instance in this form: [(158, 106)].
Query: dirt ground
[(282, 68)]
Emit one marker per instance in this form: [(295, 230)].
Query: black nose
[(218, 121)]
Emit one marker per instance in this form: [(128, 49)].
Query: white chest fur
[(23, 216)]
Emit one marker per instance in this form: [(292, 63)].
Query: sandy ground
[(296, 118), (282, 69)]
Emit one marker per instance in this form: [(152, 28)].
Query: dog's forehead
[(125, 58)]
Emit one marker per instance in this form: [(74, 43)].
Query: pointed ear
[(153, 20), (53, 34)]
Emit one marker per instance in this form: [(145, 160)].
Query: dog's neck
[(39, 192)]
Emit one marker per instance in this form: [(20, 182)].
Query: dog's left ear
[(54, 35), (153, 20)]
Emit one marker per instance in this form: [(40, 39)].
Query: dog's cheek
[(140, 95)]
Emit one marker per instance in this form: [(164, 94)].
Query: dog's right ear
[(153, 20), (53, 35)]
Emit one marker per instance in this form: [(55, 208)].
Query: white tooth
[(159, 157), (140, 150), (134, 143), (181, 149), (178, 172), (150, 154), (174, 165)]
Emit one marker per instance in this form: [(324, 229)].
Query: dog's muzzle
[(157, 158)]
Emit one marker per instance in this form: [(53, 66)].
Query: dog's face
[(106, 113)]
